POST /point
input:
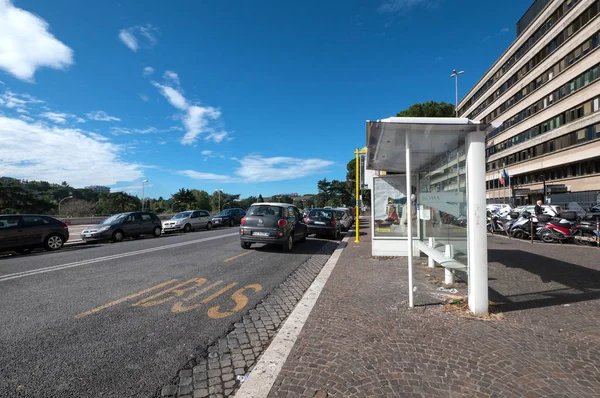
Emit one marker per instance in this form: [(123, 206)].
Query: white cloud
[(174, 97), (26, 44), (128, 39), (255, 168), (196, 123), (172, 76), (19, 102), (144, 97), (148, 70), (61, 118), (197, 175), (148, 130), (392, 6), (101, 116), (139, 36), (207, 152), (30, 151), (216, 136), (197, 118)]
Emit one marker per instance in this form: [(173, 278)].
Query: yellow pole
[(357, 177)]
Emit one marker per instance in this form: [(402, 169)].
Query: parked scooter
[(585, 233), (493, 222), (559, 229)]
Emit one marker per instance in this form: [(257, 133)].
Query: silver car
[(187, 221)]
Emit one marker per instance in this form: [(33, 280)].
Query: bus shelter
[(429, 196)]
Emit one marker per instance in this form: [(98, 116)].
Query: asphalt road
[(121, 319)]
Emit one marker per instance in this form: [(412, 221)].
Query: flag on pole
[(504, 177), (501, 178)]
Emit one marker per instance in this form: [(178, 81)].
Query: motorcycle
[(493, 222), (559, 229), (585, 233)]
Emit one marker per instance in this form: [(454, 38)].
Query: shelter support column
[(476, 223)]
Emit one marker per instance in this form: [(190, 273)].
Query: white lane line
[(23, 274), (260, 381)]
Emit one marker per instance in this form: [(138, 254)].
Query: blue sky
[(247, 96)]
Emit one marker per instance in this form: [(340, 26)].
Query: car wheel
[(118, 236), (304, 236), (156, 232), (208, 225), (231, 223), (287, 247), (54, 242), (245, 245), (24, 251), (187, 228)]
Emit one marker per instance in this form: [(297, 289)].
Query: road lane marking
[(238, 256), (119, 301), (217, 294), (185, 291), (180, 307), (240, 300), (151, 302), (23, 274)]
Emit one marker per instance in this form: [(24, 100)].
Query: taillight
[(243, 222), (65, 225), (282, 222), (333, 222), (306, 220)]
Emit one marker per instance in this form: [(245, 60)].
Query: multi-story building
[(543, 95), (99, 188)]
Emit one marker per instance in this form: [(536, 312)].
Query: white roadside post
[(409, 222), (476, 223)]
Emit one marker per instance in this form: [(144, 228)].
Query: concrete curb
[(265, 372)]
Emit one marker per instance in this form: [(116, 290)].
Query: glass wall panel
[(442, 204), (390, 207)]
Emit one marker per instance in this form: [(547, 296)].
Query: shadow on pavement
[(568, 283)]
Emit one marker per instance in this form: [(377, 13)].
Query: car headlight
[(105, 228)]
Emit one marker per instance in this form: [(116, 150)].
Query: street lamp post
[(68, 197), (143, 182), (455, 76), (219, 191)]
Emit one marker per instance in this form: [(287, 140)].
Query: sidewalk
[(362, 340)]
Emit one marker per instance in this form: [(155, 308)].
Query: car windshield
[(264, 210), (321, 214), (183, 214), (113, 219), (225, 213)]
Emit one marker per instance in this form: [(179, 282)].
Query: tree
[(247, 202), (117, 202), (202, 199), (185, 196), (77, 208), (429, 109)]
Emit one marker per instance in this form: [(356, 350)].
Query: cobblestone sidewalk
[(361, 340), (233, 356)]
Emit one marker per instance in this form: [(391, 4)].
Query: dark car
[(277, 223), (229, 217), (124, 225), (323, 222), (23, 233), (593, 213)]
